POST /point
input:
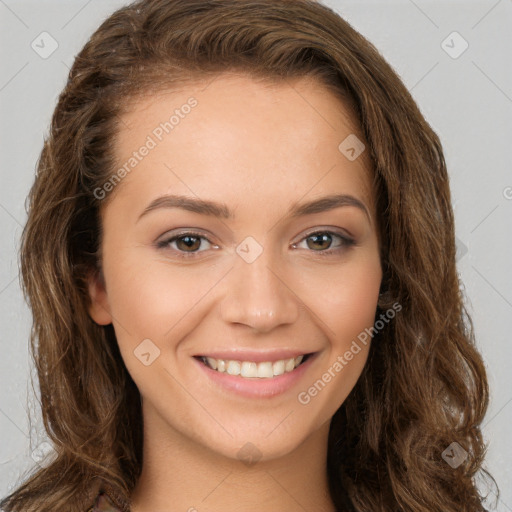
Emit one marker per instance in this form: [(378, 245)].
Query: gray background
[(467, 100)]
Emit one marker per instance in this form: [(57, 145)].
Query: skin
[(259, 148)]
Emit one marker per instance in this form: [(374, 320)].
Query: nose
[(258, 295)]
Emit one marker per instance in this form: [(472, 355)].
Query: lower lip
[(257, 387)]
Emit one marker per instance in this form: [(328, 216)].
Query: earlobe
[(99, 308)]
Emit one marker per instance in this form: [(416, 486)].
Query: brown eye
[(188, 243), (185, 245), (321, 242)]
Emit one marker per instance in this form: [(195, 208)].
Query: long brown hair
[(424, 386)]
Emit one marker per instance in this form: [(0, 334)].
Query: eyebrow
[(221, 210)]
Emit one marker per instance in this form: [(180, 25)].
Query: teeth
[(250, 369), (289, 365), (264, 371), (278, 367), (233, 368)]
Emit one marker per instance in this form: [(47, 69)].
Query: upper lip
[(257, 356)]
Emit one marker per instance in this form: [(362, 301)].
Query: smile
[(252, 369), (253, 374)]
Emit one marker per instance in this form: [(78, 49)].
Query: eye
[(321, 242), (186, 243)]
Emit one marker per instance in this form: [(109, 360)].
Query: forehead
[(253, 135)]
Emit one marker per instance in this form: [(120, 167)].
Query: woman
[(240, 260)]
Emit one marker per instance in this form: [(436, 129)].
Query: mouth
[(253, 369), (254, 374)]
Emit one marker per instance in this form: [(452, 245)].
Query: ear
[(99, 308)]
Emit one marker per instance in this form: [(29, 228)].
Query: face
[(243, 239)]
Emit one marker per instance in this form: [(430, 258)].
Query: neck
[(180, 475)]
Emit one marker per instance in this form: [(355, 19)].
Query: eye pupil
[(188, 242), (319, 238)]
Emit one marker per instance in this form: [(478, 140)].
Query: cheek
[(346, 309), (348, 301), (349, 312), (149, 298), (153, 306)]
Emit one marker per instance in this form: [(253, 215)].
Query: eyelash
[(346, 242)]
